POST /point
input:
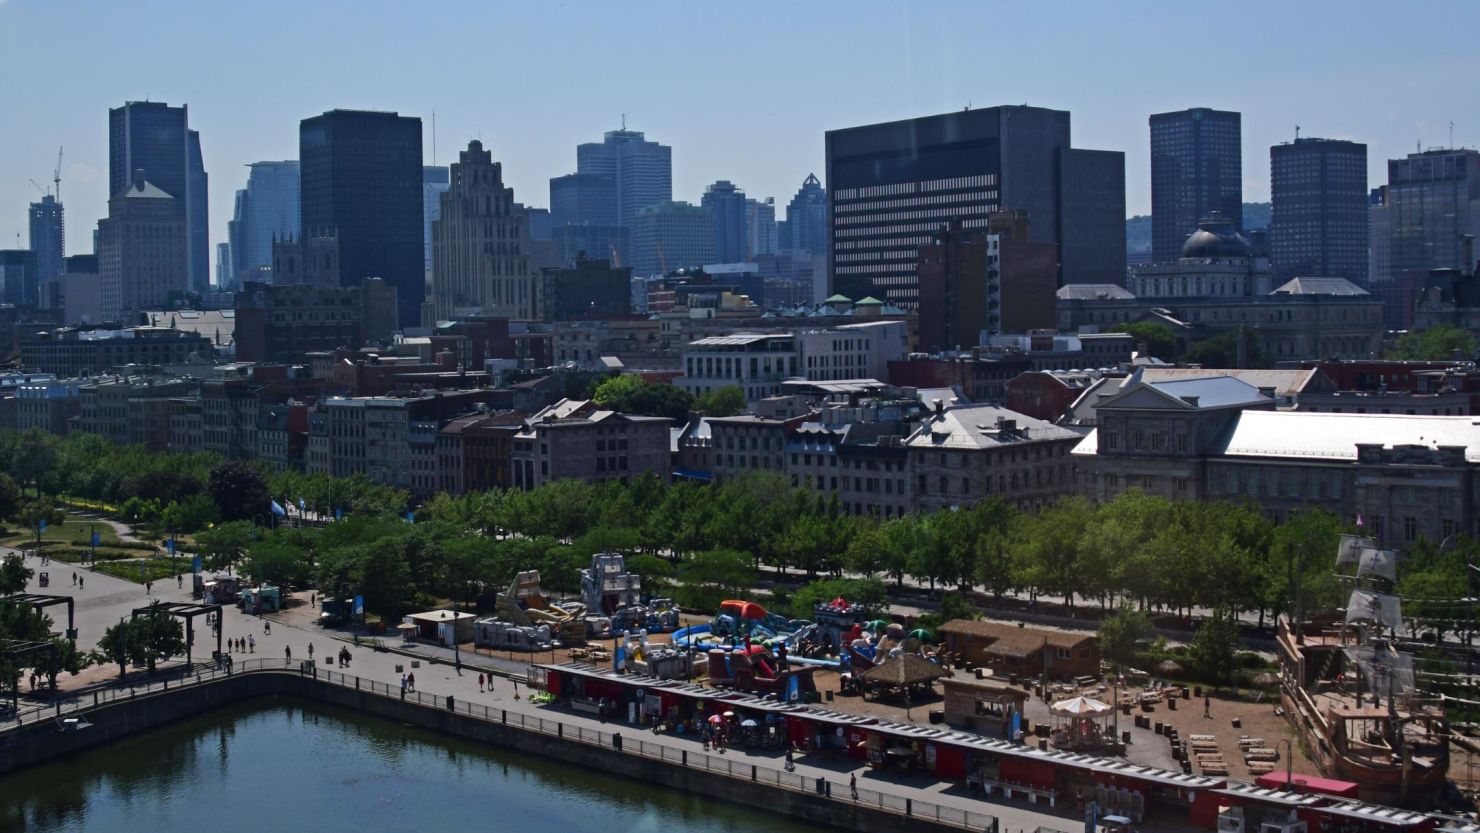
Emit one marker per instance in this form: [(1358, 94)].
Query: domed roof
[(1216, 237)]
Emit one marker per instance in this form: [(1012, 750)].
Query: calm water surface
[(284, 766)]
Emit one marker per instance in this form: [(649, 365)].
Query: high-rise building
[(223, 265), (806, 219), (890, 186), (48, 237), (1433, 203), (588, 288), (18, 282), (726, 204), (642, 170), (362, 180), (142, 250), (669, 236), (1196, 169), (760, 227), (480, 246), (266, 210), (434, 181), (598, 241), (1318, 224), (984, 282), (197, 219), (154, 137), (583, 198), (1380, 239)]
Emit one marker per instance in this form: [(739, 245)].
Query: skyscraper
[(480, 246), (583, 198), (1433, 203), (1196, 169), (142, 250), (642, 170), (361, 178), (760, 226), (1318, 225), (987, 281), (18, 282), (223, 265), (266, 210), (154, 137), (48, 237), (434, 181), (890, 186), (670, 236), (726, 205), (806, 219)]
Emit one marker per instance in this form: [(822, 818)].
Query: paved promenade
[(104, 600)]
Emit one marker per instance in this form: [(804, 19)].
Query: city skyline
[(919, 63)]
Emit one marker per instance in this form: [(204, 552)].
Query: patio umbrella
[(1080, 707), (729, 714), (876, 626), (922, 635), (714, 718), (748, 724), (1169, 667), (1266, 680)]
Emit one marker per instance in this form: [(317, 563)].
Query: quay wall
[(41, 740)]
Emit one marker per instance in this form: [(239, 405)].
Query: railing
[(626, 743)]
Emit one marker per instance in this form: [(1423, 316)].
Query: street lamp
[(456, 654), (1289, 762)]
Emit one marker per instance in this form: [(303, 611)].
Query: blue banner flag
[(170, 545), (277, 509), (95, 539), (195, 564), (302, 507), (41, 524), (411, 517), (359, 606), (338, 513)]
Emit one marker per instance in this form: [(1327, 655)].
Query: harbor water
[(285, 765)]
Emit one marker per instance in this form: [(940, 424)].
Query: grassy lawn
[(155, 569), (78, 555), (75, 530)]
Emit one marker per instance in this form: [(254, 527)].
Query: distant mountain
[(1138, 228)]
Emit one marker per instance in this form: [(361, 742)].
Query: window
[(1410, 528), (1062, 653)]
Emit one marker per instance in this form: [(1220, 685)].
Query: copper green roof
[(869, 301), (838, 299)]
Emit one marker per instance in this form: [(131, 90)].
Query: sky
[(742, 91)]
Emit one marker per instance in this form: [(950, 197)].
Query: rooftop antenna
[(1297, 132), (624, 121)]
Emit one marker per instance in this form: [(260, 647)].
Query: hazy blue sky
[(741, 90)]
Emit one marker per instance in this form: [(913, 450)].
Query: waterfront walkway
[(105, 600)]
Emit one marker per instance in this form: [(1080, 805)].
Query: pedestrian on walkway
[(411, 681), (1207, 705), (74, 579), (148, 588), (252, 643), (853, 785), (180, 580), (480, 683), (311, 599), (310, 651), (288, 653), (81, 582), (267, 626), (403, 686), (790, 765)]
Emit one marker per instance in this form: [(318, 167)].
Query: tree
[(10, 496), (239, 490), (721, 402), (158, 636), (223, 546), (117, 645), (629, 394), (191, 513), (1159, 339), (712, 576), (1214, 645), (36, 514), (1221, 350), (14, 574), (275, 561), (1120, 631), (63, 657), (1439, 343)]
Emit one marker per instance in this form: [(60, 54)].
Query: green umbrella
[(922, 635), (877, 626)]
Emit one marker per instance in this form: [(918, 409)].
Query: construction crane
[(37, 186), (56, 175)]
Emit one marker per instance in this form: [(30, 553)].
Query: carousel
[(1079, 724)]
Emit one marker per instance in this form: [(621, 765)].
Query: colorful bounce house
[(759, 670)]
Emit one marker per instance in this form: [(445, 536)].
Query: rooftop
[(1335, 436), (1319, 286), (968, 427)]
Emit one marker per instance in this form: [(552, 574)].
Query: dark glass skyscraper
[(1196, 169), (1318, 228), (362, 180), (892, 186), (154, 137), (48, 237), (806, 219), (583, 199), (266, 210), (726, 205)]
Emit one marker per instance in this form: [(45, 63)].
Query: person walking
[(267, 626), (1207, 705), (252, 643), (310, 651), (81, 582), (288, 652), (411, 681), (790, 764), (74, 579), (853, 785), (311, 599), (480, 683), (403, 686)]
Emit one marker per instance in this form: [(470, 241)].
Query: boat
[(1350, 693)]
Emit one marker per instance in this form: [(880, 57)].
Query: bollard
[(753, 772), (505, 715), (559, 730), (686, 757), (617, 742), (820, 788), (449, 703), (909, 806)]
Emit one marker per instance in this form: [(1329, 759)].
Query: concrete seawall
[(39, 741)]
